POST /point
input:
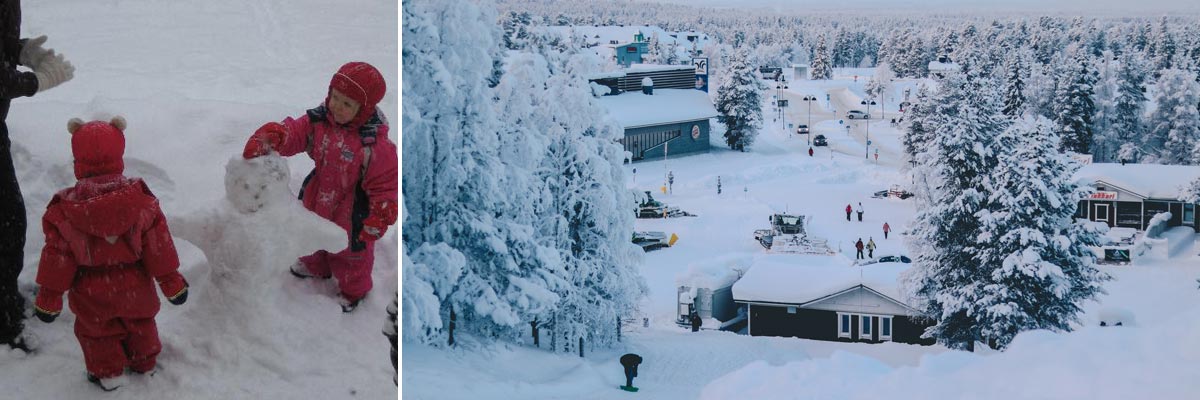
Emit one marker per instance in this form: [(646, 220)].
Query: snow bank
[(1038, 365)]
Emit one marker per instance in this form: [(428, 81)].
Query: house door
[(1101, 212)]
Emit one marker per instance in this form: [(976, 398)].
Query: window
[(844, 329), (631, 49), (865, 324), (885, 328), (791, 310), (1189, 214)]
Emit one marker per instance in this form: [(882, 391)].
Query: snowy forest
[(517, 202)]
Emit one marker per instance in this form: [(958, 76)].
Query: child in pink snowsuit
[(354, 183)]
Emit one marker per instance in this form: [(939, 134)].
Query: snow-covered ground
[(1152, 356), (194, 79)]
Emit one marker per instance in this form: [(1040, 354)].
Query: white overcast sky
[(1119, 7)]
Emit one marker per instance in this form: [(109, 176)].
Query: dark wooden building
[(818, 297), (1130, 195)]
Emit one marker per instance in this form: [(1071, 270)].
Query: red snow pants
[(352, 269), (111, 345)]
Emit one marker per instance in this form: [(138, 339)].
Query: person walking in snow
[(696, 322), (860, 211), (107, 242), (49, 70), (871, 247), (630, 362), (810, 151), (671, 181), (848, 211), (354, 183), (859, 247), (718, 184), (886, 229)]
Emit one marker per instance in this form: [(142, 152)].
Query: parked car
[(895, 191), (856, 114), (802, 129), (820, 141)]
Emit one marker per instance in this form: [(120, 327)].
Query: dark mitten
[(48, 304)]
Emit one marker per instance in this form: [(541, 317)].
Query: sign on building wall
[(1103, 196), (701, 64)]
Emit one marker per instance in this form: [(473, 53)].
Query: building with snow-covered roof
[(669, 122), (706, 289), (940, 70), (827, 298), (1130, 195), (626, 44)]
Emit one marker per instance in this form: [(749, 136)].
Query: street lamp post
[(809, 100), (867, 148), (779, 102)]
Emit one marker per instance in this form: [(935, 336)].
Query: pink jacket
[(338, 154)]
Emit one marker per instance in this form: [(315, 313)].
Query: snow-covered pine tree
[(1016, 68), (671, 55), (944, 281), (1125, 125), (654, 50), (1033, 257), (1074, 106), (1164, 47), (588, 219), (739, 103), (1175, 122), (918, 126), (469, 254), (877, 87), (821, 67)]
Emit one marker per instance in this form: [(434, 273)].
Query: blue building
[(667, 118), (630, 53)]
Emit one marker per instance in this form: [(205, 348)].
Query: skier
[(859, 246), (848, 210), (871, 247), (671, 181), (49, 70), (886, 229), (810, 151), (696, 322), (630, 361), (107, 242), (860, 211), (354, 183)]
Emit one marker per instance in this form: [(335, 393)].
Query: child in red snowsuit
[(354, 183), (107, 242)]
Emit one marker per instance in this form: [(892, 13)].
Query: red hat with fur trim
[(98, 146), (363, 83)]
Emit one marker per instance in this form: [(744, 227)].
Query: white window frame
[(864, 327), (849, 324), (891, 324)]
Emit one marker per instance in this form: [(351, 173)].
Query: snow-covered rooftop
[(802, 279), (634, 109), (714, 274), (1153, 181)]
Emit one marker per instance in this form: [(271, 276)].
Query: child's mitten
[(382, 214), (266, 138), (175, 287), (48, 304)]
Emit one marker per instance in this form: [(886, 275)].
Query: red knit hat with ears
[(361, 82), (98, 146)]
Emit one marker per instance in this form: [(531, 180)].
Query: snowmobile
[(651, 241), (787, 235), (650, 208), (894, 191)]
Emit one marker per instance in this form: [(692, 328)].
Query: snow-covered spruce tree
[(1125, 124), (945, 281), (1163, 50), (918, 127), (654, 50), (1015, 71), (739, 103), (671, 56), (588, 219), (1175, 122), (822, 67), (468, 250), (1074, 106), (1033, 257)]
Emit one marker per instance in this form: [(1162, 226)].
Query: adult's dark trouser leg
[(628, 377), (12, 244)]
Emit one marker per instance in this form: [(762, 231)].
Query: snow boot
[(349, 306), (108, 384), (300, 271)]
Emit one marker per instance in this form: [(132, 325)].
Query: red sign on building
[(1103, 196)]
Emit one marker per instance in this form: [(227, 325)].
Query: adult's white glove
[(33, 52), (53, 71)]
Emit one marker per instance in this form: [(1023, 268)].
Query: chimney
[(647, 86)]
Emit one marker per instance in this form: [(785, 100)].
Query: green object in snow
[(629, 388)]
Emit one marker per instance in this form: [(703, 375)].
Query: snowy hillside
[(194, 80)]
